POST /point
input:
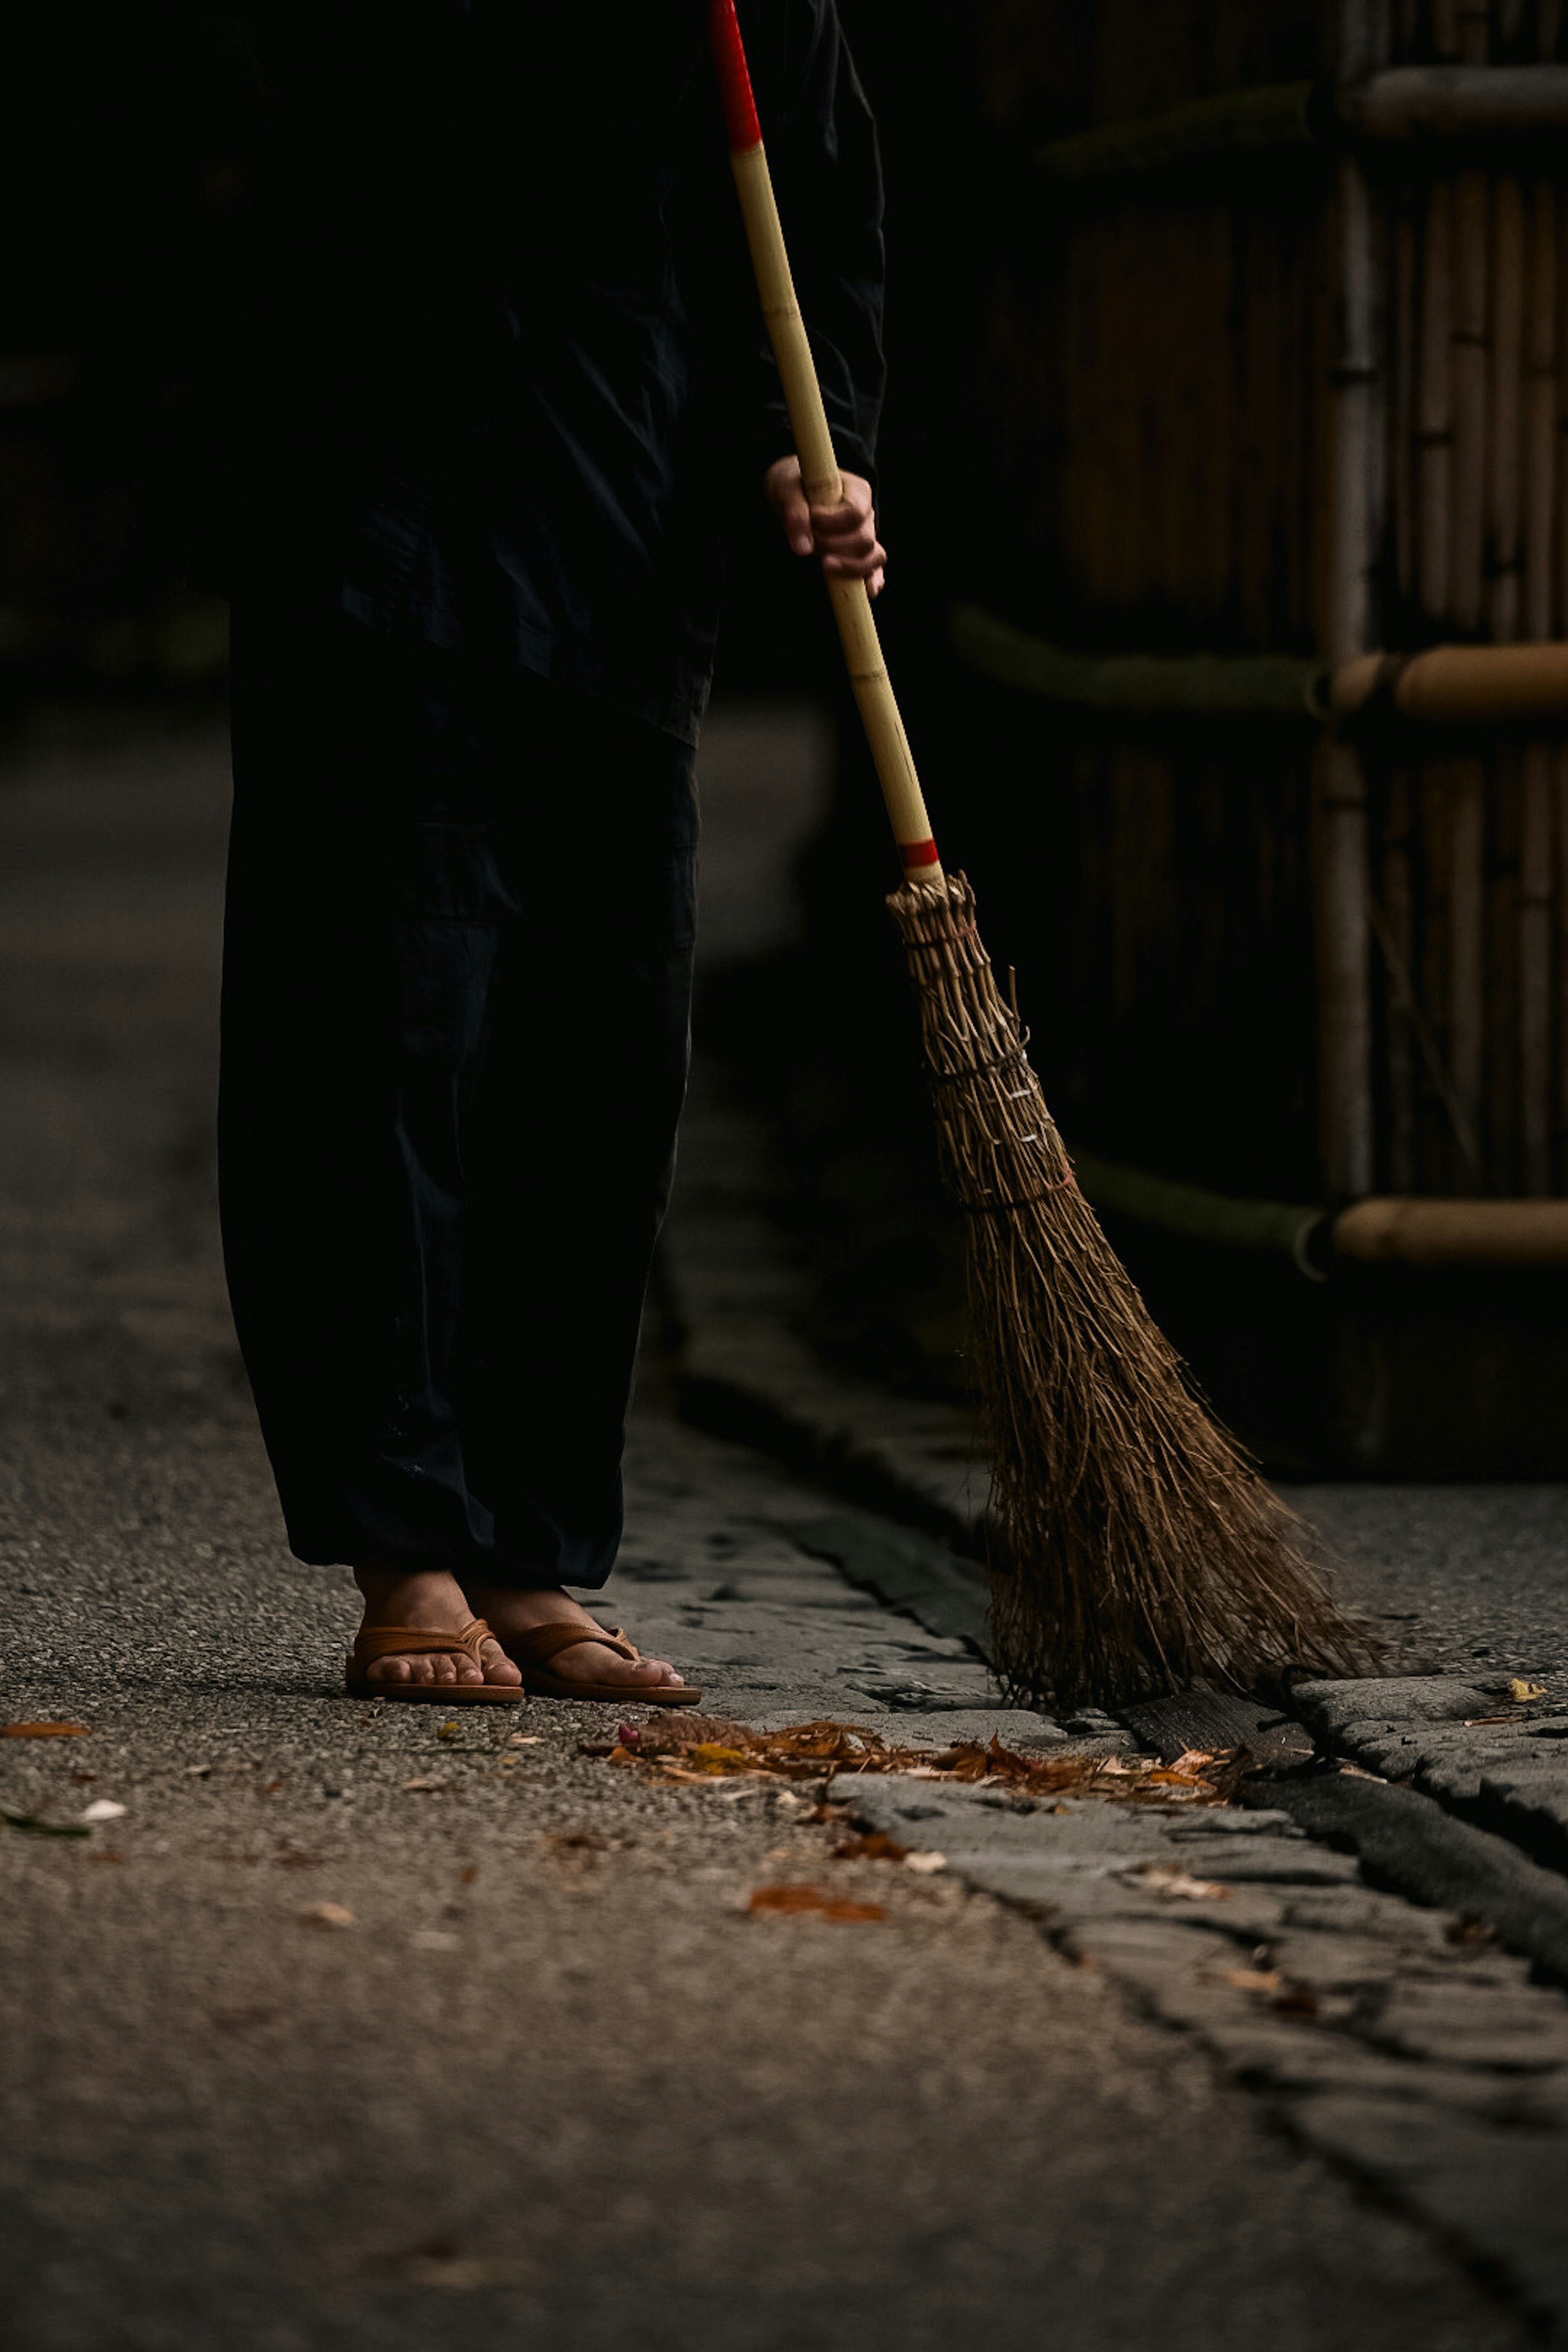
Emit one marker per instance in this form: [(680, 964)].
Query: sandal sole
[(540, 1686), (441, 1694)]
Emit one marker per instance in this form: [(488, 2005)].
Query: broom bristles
[(1135, 1551)]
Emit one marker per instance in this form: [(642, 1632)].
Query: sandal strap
[(419, 1640), (541, 1643)]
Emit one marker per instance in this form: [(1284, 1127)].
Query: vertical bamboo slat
[(1399, 914), (1466, 944), (1469, 341), (1535, 913), (1504, 558), (1538, 436), (1404, 314), (1434, 406)]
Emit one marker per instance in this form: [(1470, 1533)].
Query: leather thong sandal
[(421, 1641), (531, 1651)]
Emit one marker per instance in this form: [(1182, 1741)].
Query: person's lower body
[(456, 1005)]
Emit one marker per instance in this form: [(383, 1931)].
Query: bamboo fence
[(1307, 400)]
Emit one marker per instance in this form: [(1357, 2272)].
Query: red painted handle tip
[(734, 79)]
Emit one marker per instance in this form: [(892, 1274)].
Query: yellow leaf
[(1519, 1690)]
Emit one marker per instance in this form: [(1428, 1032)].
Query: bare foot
[(587, 1661), (431, 1599)]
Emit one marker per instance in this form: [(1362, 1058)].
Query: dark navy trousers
[(455, 1023)]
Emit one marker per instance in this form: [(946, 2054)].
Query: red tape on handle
[(734, 79), (917, 852)]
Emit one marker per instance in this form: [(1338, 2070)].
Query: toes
[(499, 1668), (389, 1669), (649, 1671)]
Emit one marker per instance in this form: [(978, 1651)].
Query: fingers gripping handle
[(813, 442)]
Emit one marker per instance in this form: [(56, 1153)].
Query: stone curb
[(1377, 2034), (1498, 1765)]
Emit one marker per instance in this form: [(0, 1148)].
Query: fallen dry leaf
[(328, 1914), (103, 1809), (875, 1846), (1244, 1979), (411, 1787), (1169, 1878), (1520, 1689), (798, 1901), (927, 1864), (44, 1730), (711, 1748), (449, 1729), (525, 1740)]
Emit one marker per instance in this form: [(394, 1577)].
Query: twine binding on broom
[(1135, 1551)]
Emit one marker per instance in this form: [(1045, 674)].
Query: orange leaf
[(876, 1846), (799, 1899), (44, 1730)]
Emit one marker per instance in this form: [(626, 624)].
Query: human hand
[(843, 536)]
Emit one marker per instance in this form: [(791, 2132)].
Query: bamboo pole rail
[(1457, 100), (1402, 102), (1458, 685), (1444, 686), (1381, 1228), (1528, 1233)]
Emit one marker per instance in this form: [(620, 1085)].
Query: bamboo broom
[(1135, 1552)]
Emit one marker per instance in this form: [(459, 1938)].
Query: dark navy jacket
[(495, 352)]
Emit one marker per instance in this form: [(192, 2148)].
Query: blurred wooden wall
[(1153, 414)]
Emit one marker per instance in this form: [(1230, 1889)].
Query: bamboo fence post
[(1559, 590), (1535, 879), (1559, 437), (1339, 795), (1468, 30)]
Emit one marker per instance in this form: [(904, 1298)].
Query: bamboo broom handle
[(813, 446)]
